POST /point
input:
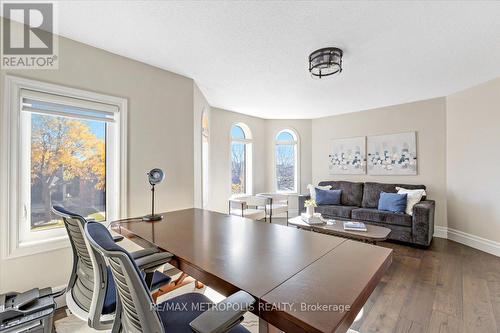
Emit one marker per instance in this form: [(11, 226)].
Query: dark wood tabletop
[(230, 253), (252, 256), (327, 295)]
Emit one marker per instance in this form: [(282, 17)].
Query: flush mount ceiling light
[(326, 61)]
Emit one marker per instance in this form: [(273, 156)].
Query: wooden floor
[(447, 288)]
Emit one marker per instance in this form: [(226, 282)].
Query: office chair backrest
[(87, 286), (134, 303)]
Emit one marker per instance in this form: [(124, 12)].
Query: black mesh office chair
[(91, 291), (182, 314)]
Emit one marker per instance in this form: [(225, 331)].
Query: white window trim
[(248, 141), (205, 158), (10, 246), (297, 160)]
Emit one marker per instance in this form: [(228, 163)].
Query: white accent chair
[(278, 204), (249, 206)]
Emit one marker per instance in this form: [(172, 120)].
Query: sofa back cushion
[(352, 193), (371, 193)]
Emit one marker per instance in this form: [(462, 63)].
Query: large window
[(286, 160), (241, 152), (67, 152)]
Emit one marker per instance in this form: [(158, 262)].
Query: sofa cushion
[(352, 193), (336, 211), (393, 202), (371, 192), (328, 197), (414, 197), (312, 190), (375, 215)]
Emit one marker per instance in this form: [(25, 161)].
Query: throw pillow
[(328, 197), (312, 190), (392, 202), (414, 197)]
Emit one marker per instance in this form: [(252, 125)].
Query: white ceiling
[(251, 57)]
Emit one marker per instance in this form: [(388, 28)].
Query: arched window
[(286, 159), (241, 159), (204, 157)]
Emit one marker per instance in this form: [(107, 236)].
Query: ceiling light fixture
[(326, 61)]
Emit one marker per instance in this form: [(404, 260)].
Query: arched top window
[(241, 159), (240, 131), (286, 160), (286, 136)]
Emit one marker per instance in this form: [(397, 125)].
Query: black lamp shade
[(155, 176)]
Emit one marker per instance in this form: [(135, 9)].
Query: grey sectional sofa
[(359, 202)]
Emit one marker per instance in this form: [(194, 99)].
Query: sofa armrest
[(423, 222), (302, 200)]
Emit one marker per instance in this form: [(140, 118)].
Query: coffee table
[(373, 234)]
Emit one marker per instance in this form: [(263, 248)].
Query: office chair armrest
[(224, 315), (118, 238), (153, 261), (144, 252)]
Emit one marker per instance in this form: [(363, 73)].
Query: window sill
[(24, 249)]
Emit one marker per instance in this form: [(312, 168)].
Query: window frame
[(11, 203), (247, 141), (296, 143), (205, 158)]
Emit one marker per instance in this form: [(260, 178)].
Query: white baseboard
[(441, 232), (476, 242)]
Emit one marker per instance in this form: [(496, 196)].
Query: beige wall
[(427, 118), (160, 131), (473, 140)]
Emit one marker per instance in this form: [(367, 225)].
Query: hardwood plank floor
[(447, 288)]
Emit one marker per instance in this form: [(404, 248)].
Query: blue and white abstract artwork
[(348, 156), (393, 154)]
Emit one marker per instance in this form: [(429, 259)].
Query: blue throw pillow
[(328, 197), (393, 202)]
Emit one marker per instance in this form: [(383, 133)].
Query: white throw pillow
[(413, 198), (312, 190)]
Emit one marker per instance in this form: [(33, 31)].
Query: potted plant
[(310, 205)]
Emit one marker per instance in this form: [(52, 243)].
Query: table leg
[(263, 326)]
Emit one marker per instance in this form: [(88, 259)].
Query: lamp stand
[(152, 216)]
